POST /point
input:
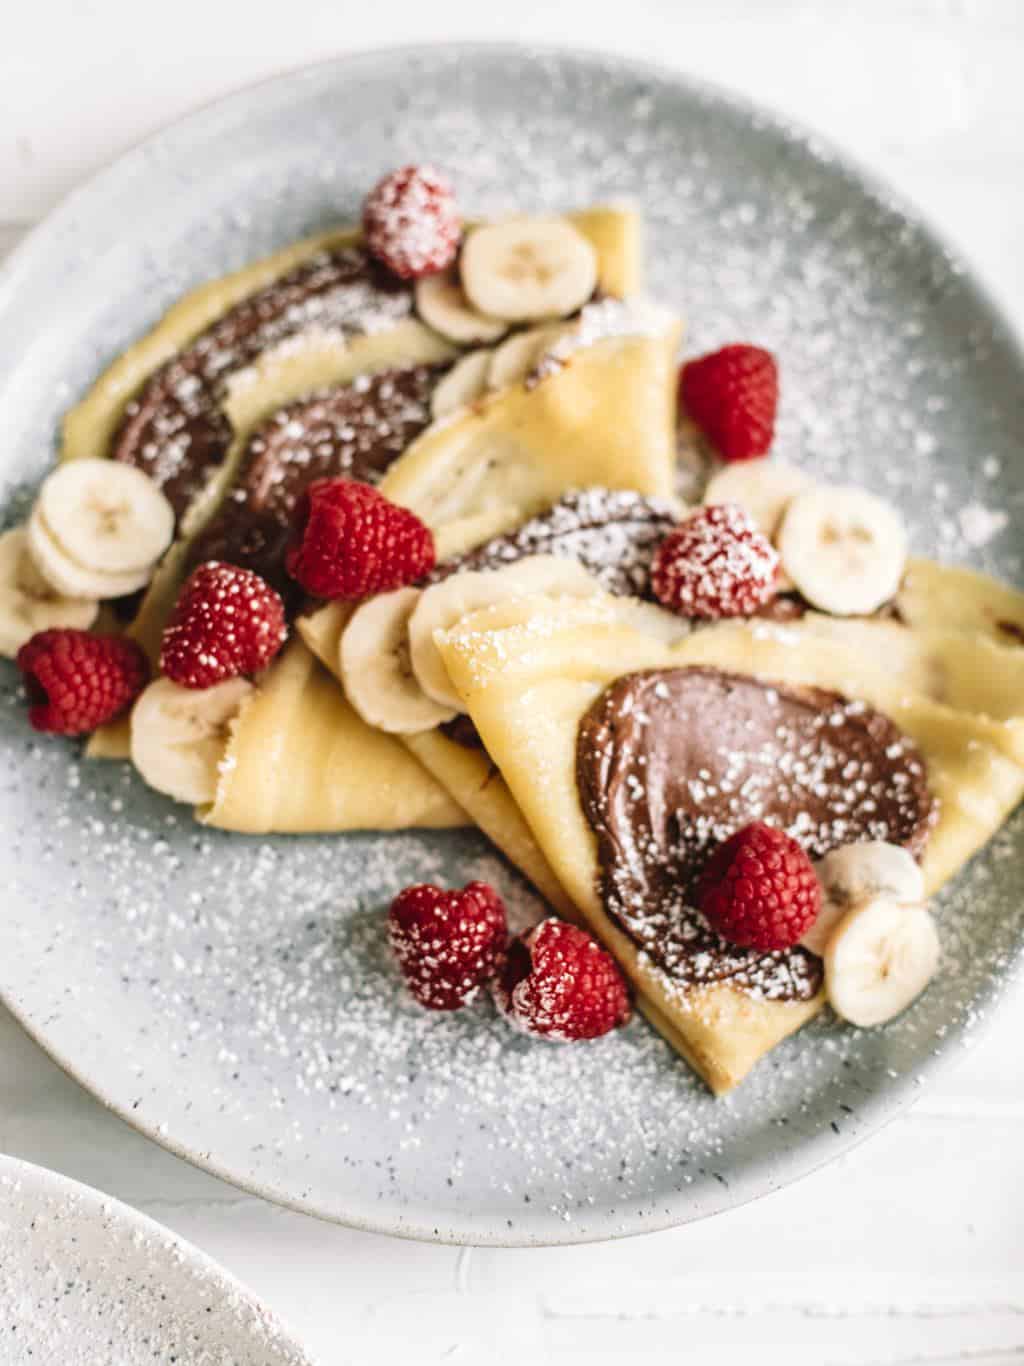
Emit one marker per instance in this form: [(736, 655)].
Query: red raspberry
[(759, 889), (732, 395), (560, 983), (76, 681), (447, 943), (412, 222), (715, 564), (350, 542), (227, 621)]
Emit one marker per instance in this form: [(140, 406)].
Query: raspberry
[(412, 222), (732, 395), (227, 621), (558, 982), (715, 564), (759, 889), (350, 542), (77, 681), (447, 943)]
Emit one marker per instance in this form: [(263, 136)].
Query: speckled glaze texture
[(233, 997), (85, 1280)]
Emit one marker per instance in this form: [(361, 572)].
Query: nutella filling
[(175, 429), (613, 533), (671, 762), (354, 431)]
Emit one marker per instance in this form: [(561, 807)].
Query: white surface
[(909, 1249)]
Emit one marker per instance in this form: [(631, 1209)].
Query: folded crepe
[(530, 670), (303, 359), (299, 760)]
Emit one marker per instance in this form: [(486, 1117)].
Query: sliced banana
[(763, 488), (880, 957), (375, 667), (445, 603), (442, 304), (855, 873), (525, 269), (106, 516), (514, 359), (28, 603), (463, 384), (69, 578), (178, 736), (844, 549)]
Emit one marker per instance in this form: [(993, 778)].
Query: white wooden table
[(910, 1249)]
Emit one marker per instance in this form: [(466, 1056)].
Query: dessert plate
[(85, 1279), (232, 997)]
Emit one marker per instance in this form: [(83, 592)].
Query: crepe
[(299, 760), (528, 671)]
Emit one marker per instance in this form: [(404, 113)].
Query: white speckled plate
[(233, 997), (85, 1280)]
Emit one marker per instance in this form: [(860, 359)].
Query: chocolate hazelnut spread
[(175, 429), (612, 532), (670, 762), (354, 431)]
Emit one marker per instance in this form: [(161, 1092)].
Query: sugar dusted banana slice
[(375, 667), (844, 549), (178, 736), (445, 603), (106, 516), (28, 603), (763, 488), (853, 874), (516, 357), (525, 269), (463, 384), (442, 304), (880, 957), (67, 576)]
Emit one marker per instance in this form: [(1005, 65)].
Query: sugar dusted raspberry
[(732, 395), (759, 889), (448, 943), (412, 223), (227, 622), (77, 681), (350, 542), (558, 982), (715, 564)]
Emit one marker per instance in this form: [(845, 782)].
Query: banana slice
[(106, 516), (525, 269), (443, 604), (463, 384), (375, 667), (28, 603), (178, 736), (844, 549), (881, 956), (763, 488), (513, 360), (442, 304), (69, 578), (855, 873)]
